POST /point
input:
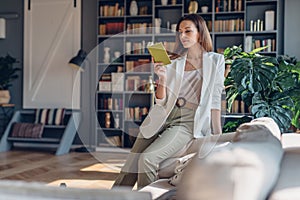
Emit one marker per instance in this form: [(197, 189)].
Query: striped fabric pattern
[(50, 116)]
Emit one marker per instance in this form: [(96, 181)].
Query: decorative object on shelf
[(106, 57), (204, 9), (150, 85), (116, 58), (117, 121), (78, 60), (133, 10), (4, 96), (2, 28), (164, 2), (8, 73), (107, 120), (157, 24), (174, 2), (173, 27), (193, 6)]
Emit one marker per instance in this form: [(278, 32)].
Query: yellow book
[(159, 53)]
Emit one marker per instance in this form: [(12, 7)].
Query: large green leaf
[(277, 106), (254, 74)]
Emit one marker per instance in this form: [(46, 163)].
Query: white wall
[(292, 28)]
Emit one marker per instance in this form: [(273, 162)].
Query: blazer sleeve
[(219, 83), (161, 102)]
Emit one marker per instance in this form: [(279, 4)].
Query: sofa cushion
[(50, 116), (27, 130), (288, 184), (248, 168), (158, 188)]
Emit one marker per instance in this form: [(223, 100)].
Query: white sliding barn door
[(52, 34)]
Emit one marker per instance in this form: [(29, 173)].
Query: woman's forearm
[(216, 121), (161, 89)]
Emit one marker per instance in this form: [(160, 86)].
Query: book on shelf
[(140, 65), (135, 113), (270, 43), (117, 81), (238, 106), (229, 25), (229, 5), (110, 103), (111, 28), (111, 10), (132, 83), (138, 28), (248, 43), (105, 83)]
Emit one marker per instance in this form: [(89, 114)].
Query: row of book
[(238, 106), (138, 28), (251, 43), (140, 65), (229, 5), (108, 103), (143, 28), (136, 47), (111, 28), (111, 10), (229, 25), (133, 83), (135, 113), (114, 82)]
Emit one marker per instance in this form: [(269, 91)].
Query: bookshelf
[(124, 64)]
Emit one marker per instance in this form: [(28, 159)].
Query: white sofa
[(20, 190), (257, 164)]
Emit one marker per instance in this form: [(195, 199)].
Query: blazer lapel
[(207, 71), (176, 75)]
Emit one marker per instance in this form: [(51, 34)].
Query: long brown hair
[(204, 39)]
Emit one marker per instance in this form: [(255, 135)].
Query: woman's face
[(188, 34)]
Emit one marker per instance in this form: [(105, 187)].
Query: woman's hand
[(160, 71)]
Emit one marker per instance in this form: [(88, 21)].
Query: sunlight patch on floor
[(102, 168)]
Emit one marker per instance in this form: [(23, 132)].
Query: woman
[(188, 103)]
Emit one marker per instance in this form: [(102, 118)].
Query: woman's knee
[(147, 161)]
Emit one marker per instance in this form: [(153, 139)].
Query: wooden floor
[(76, 169)]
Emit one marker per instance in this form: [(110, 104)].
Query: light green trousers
[(143, 161)]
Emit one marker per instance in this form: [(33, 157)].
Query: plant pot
[(4, 96)]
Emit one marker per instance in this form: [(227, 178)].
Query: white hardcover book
[(104, 86), (117, 81), (269, 20), (248, 43), (269, 43)]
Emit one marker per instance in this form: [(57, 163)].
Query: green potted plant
[(8, 73), (289, 79), (263, 85)]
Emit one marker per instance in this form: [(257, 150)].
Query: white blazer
[(212, 86)]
